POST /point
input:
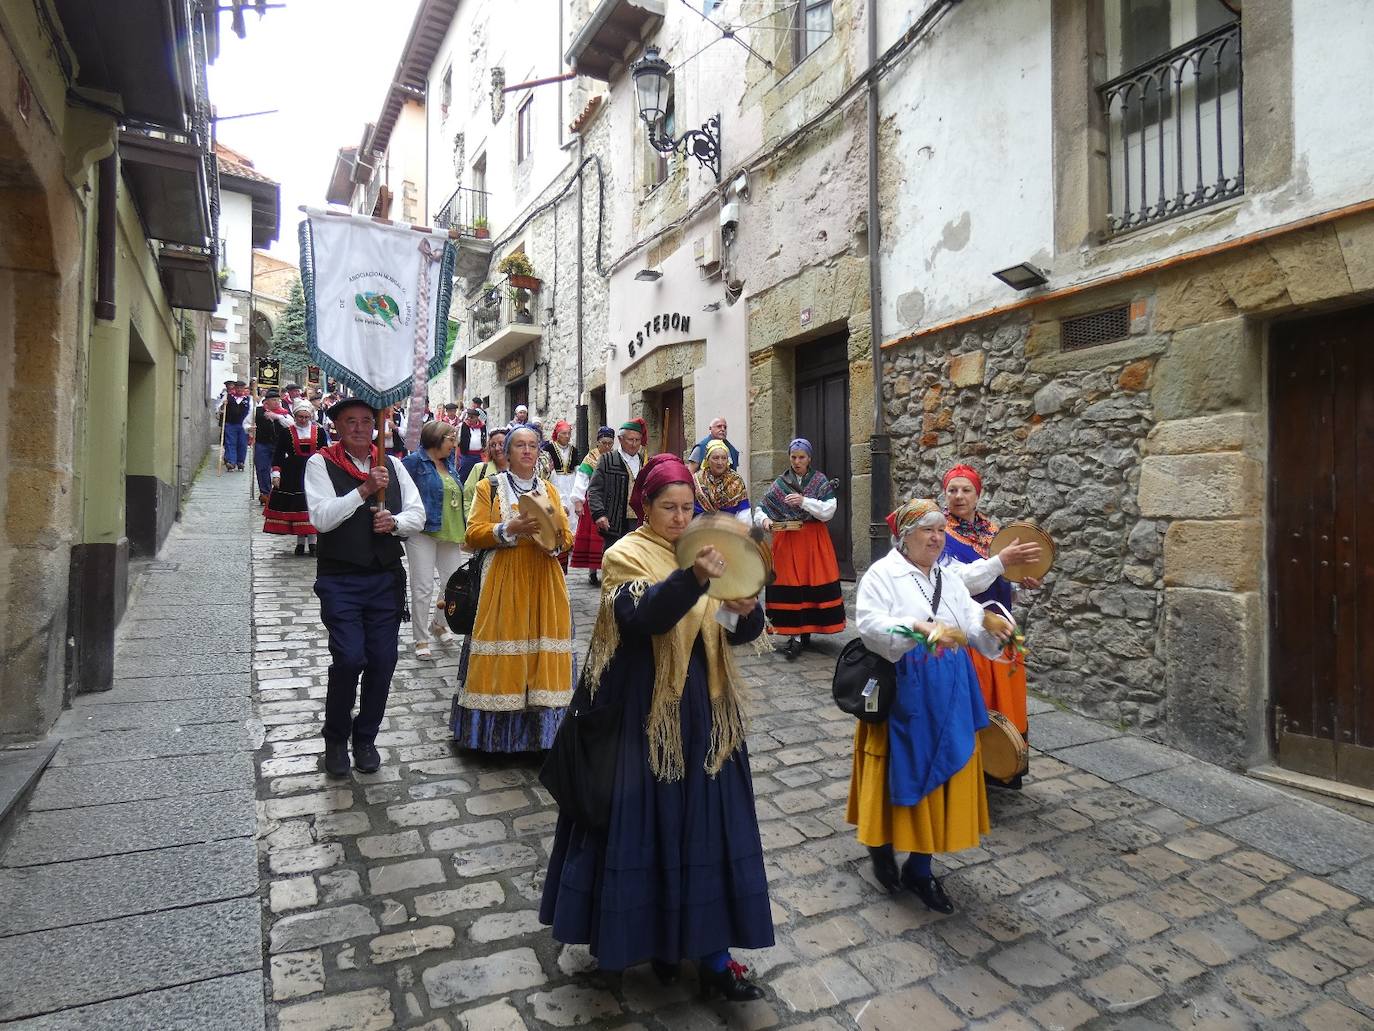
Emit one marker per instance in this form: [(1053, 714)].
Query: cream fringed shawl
[(635, 563)]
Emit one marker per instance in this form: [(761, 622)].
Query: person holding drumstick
[(917, 783), (678, 873), (969, 534), (516, 671)]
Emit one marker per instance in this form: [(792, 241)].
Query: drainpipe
[(582, 431), (880, 478), (106, 230)]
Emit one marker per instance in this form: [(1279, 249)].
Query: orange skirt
[(1004, 686), (952, 817), (805, 596)]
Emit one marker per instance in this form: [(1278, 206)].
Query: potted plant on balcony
[(480, 228), (517, 268)]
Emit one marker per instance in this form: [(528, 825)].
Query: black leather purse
[(579, 771), (461, 593), (864, 683)]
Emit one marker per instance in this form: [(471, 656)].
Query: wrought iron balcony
[(466, 211), (1175, 132), (504, 319)]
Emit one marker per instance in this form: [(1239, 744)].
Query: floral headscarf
[(914, 513), (715, 494)]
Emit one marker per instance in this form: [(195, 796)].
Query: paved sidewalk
[(130, 890), (1127, 886)]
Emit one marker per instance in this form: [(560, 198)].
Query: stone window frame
[(1078, 63)]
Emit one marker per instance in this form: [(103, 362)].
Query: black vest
[(267, 428), (352, 546), (236, 409)]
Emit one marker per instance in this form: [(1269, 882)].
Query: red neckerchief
[(311, 444), (335, 453)]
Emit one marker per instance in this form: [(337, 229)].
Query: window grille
[(1101, 327)]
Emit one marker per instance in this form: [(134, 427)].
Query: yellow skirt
[(949, 819), (522, 642)]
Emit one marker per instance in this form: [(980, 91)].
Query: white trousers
[(426, 556)]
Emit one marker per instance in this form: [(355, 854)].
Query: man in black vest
[(238, 420), (608, 492), (360, 580)]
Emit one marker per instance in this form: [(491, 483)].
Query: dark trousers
[(610, 536), (362, 612), (262, 462)]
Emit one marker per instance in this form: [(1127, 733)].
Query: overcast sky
[(326, 65)]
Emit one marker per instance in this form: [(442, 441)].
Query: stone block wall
[(1146, 460)]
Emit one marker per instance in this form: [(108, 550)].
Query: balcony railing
[(503, 306), (465, 211), (1175, 132)]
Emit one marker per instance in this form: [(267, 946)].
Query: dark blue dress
[(679, 873)]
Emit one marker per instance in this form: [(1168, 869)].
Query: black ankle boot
[(792, 648), (885, 868), (300, 547), (927, 889), (592, 578), (730, 984)]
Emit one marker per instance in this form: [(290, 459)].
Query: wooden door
[(670, 422), (517, 394), (1321, 545), (823, 418)]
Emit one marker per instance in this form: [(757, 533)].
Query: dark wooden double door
[(1321, 544), (670, 423), (822, 405)]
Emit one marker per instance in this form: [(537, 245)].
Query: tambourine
[(539, 508), (1025, 531), (1005, 753), (748, 560)]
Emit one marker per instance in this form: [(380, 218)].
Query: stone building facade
[(1148, 404)]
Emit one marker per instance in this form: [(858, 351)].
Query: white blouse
[(894, 593), (978, 575)]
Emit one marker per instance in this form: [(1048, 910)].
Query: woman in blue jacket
[(439, 547)]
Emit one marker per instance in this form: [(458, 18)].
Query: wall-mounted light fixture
[(650, 74), (648, 275), (1023, 276)]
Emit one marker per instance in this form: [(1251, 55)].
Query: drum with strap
[(748, 559), (1006, 755)]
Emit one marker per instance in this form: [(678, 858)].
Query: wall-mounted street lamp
[(650, 74), (648, 275), (1023, 276)]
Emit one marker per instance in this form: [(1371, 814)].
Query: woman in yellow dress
[(516, 675), (917, 783)]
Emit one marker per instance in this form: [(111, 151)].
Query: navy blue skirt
[(679, 873)]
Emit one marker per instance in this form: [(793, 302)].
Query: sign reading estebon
[(671, 321)]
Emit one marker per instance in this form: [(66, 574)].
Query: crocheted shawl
[(635, 563)]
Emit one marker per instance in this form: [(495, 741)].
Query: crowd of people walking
[(671, 868)]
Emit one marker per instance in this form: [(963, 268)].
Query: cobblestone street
[(1128, 885)]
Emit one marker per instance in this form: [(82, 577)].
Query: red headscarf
[(560, 426), (967, 473), (658, 472)]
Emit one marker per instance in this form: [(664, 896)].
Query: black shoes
[(592, 578), (312, 547), (366, 758), (336, 758), (885, 868), (667, 973), (792, 648), (300, 547), (928, 890), (730, 984)]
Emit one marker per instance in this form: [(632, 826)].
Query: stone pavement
[(1128, 885), (129, 889)]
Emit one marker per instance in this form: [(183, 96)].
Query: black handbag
[(461, 592), (579, 771), (864, 683)]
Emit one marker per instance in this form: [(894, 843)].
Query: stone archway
[(39, 326)]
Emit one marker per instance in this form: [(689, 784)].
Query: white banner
[(377, 300)]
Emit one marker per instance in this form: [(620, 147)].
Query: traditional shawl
[(813, 485), (715, 495), (977, 532), (637, 562)]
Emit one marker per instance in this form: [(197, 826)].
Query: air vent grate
[(1101, 327)]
